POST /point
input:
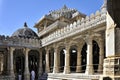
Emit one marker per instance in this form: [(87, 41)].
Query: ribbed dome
[(25, 32)]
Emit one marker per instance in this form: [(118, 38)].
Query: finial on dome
[(25, 24)]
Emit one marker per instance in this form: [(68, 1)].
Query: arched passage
[(1, 62), (62, 58), (19, 62), (84, 57), (43, 60), (95, 56), (33, 58), (73, 58)]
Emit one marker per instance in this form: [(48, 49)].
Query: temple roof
[(25, 32), (64, 11)]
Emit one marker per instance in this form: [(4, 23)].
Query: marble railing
[(81, 25), (15, 41), (73, 76), (51, 27)]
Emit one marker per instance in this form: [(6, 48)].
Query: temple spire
[(104, 4), (64, 7)]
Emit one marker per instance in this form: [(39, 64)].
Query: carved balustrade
[(16, 41)]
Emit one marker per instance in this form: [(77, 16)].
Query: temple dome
[(25, 32)]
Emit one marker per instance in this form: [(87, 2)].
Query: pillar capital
[(27, 49), (11, 49), (67, 46), (100, 41), (46, 48), (88, 39)]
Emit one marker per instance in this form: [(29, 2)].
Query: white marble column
[(56, 68), (78, 67), (40, 62), (11, 62), (26, 73), (89, 66), (67, 60), (47, 61), (101, 56)]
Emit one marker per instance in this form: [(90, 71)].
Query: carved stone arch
[(83, 56), (99, 41), (73, 43), (61, 44), (33, 61), (3, 61), (50, 47), (73, 56), (19, 62), (95, 53), (51, 57), (61, 59)]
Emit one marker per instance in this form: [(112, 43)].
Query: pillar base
[(112, 68), (89, 70), (78, 69), (12, 75), (66, 70), (100, 68), (55, 70), (26, 76)]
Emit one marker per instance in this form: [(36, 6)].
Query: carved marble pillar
[(67, 60), (47, 61), (8, 61), (40, 63), (101, 56), (26, 73), (78, 67), (56, 68), (11, 63), (89, 66)]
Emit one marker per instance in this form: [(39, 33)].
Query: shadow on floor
[(107, 78), (44, 76)]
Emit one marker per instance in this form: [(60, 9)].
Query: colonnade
[(89, 63), (56, 66), (26, 70)]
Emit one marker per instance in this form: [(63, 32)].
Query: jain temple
[(68, 45)]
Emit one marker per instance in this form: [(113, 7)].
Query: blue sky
[(13, 13)]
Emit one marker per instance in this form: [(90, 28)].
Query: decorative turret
[(104, 4)]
